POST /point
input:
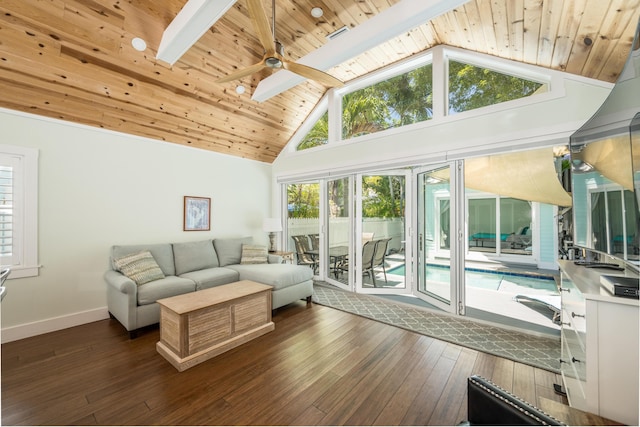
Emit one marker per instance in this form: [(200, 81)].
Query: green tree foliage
[(338, 193), (383, 196), (363, 112), (472, 87), (318, 135), (399, 101), (408, 98), (303, 200)]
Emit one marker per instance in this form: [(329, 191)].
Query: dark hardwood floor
[(319, 367)]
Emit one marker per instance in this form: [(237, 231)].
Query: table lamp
[(272, 226)]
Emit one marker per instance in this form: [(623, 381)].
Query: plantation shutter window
[(8, 254), (19, 210)]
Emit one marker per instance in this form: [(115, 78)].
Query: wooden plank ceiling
[(73, 60)]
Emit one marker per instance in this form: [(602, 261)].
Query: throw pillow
[(230, 250), (140, 267), (252, 254)]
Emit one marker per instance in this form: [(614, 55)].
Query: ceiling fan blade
[(261, 24), (313, 74), (251, 69)]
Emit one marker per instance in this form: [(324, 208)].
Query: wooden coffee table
[(197, 326)]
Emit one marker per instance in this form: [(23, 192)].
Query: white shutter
[(9, 211)]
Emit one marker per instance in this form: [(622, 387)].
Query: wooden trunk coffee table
[(197, 326)]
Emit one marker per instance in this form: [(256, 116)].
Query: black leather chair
[(489, 404)]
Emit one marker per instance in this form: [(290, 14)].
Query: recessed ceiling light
[(317, 12), (239, 89), (138, 44)]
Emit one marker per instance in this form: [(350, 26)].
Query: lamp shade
[(271, 225)]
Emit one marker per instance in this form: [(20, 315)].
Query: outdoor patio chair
[(315, 241), (368, 254), (379, 258), (302, 252), (367, 237), (368, 251)]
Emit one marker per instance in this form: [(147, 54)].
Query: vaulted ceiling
[(73, 60)]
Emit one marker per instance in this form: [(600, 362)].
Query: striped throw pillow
[(252, 254), (140, 267)]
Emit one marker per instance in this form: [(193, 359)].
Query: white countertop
[(588, 281)]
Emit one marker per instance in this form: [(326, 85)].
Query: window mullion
[(440, 84), (334, 110)]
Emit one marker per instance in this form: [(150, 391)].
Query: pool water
[(491, 280)]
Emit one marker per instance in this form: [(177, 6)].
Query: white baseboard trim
[(14, 333)]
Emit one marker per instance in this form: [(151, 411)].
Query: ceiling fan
[(274, 51)]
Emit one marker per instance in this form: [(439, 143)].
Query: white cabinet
[(599, 361)]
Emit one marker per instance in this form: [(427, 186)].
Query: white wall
[(98, 188)]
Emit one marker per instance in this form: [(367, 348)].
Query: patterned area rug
[(532, 350)]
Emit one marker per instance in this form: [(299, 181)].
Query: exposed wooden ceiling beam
[(195, 18), (382, 27)]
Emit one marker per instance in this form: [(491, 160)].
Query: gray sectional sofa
[(192, 266)]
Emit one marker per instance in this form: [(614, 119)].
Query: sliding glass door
[(438, 243), (303, 223), (380, 242), (337, 247)]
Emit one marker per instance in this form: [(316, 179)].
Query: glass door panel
[(482, 224), (338, 270), (516, 229), (380, 235), (303, 223), (436, 284)]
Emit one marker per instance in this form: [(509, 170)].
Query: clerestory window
[(409, 98), (472, 87), (318, 135), (398, 101)]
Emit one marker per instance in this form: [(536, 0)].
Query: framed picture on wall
[(197, 213)]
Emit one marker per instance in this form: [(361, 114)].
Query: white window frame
[(25, 234), (438, 57)]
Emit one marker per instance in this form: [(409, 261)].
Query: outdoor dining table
[(337, 254)]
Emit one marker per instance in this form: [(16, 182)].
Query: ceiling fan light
[(317, 12), (273, 62)]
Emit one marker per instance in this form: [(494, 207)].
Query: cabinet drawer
[(573, 306), (576, 336), (575, 385), (574, 355)]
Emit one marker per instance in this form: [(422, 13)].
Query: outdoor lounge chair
[(302, 252), (549, 303)]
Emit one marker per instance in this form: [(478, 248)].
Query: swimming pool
[(491, 280)]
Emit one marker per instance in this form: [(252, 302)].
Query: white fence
[(339, 229)]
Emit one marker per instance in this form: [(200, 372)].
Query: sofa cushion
[(254, 254), (192, 256), (164, 288), (230, 250), (140, 267), (162, 253), (277, 275), (210, 277)]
